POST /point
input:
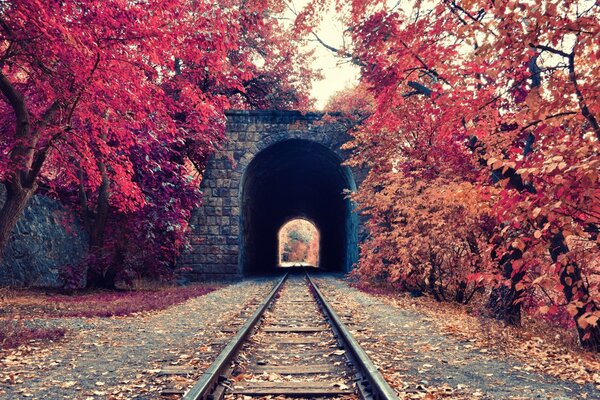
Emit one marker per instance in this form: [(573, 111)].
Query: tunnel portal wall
[(218, 229)]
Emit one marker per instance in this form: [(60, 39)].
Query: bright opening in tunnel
[(298, 244), (297, 179)]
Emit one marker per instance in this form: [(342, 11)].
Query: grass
[(15, 333), (18, 306)]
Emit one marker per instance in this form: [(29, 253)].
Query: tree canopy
[(477, 121), (483, 150), (114, 107)]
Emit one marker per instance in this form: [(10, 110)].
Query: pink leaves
[(140, 90)]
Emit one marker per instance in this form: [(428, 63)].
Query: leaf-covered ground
[(122, 357), (26, 315), (425, 349), (435, 350)]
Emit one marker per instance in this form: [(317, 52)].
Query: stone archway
[(261, 151), (296, 178)]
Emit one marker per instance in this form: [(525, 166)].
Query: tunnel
[(297, 179)]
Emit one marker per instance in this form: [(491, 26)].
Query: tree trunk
[(576, 291), (503, 302), (461, 289), (17, 197), (103, 279), (98, 227), (502, 305), (433, 277), (28, 161), (431, 284), (103, 273)]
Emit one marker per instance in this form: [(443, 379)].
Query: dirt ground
[(425, 350)]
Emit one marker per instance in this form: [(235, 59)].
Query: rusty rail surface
[(377, 387), (208, 381)]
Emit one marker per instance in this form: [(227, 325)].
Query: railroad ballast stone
[(407, 345), (129, 353)]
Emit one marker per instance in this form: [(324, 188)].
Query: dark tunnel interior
[(291, 179)]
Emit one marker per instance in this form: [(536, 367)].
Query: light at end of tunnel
[(299, 243)]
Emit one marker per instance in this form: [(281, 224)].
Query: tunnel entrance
[(297, 179), (298, 244)]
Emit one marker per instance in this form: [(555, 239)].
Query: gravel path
[(126, 357), (420, 362), (122, 357)]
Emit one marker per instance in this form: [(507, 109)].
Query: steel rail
[(209, 379), (380, 389)]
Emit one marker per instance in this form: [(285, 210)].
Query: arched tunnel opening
[(297, 179), (298, 241)]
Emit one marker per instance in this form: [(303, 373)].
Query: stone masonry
[(47, 237), (215, 236)]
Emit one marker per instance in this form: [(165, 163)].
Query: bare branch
[(17, 102)]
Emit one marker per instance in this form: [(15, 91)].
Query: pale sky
[(337, 74)]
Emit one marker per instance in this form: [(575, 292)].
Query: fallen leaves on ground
[(539, 346), (123, 357), (420, 360), (23, 312), (28, 304)]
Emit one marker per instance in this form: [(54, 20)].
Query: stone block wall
[(216, 225), (41, 244)]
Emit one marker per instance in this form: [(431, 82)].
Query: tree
[(511, 89), (60, 67), (113, 105)]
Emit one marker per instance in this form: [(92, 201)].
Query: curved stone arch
[(217, 225), (333, 141)]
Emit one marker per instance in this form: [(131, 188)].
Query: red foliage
[(97, 303), (115, 107), (485, 124), (19, 307), (123, 303), (352, 101), (15, 333)]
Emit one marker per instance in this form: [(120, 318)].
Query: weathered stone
[(249, 133), (40, 245)]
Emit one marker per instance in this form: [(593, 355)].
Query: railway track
[(293, 345)]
